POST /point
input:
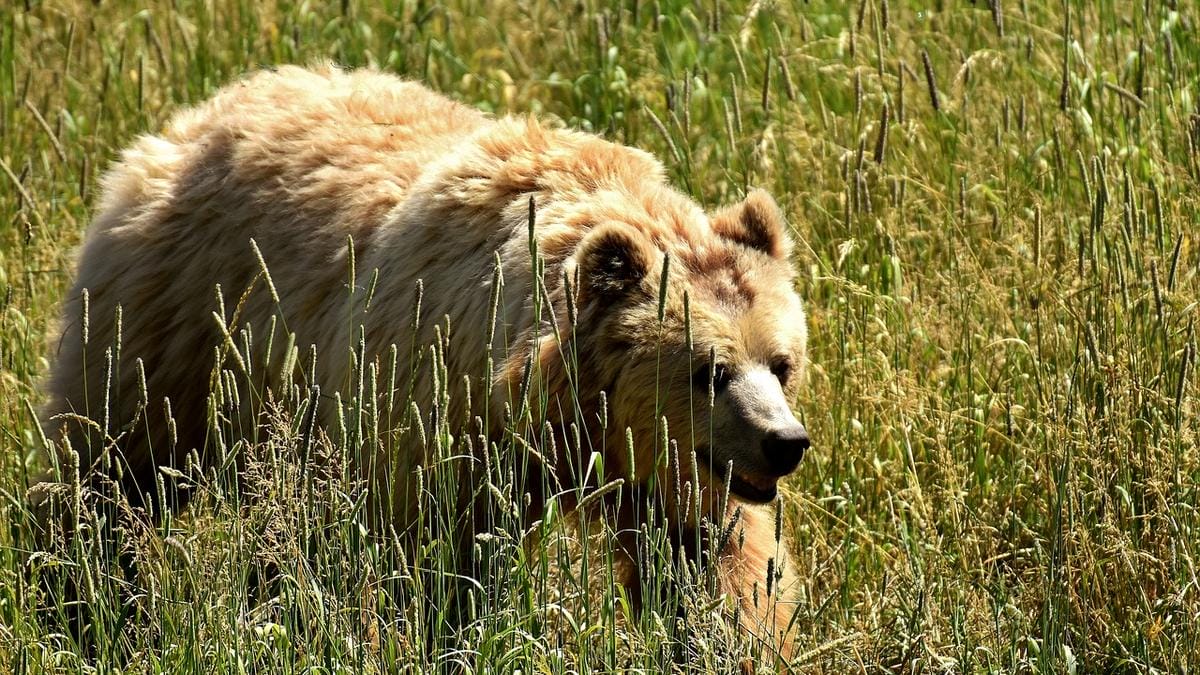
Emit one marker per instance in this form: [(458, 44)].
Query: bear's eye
[(782, 369), (716, 375)]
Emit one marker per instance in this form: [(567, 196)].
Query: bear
[(367, 218)]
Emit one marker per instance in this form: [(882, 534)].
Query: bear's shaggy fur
[(316, 165)]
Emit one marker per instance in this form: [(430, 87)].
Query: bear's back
[(302, 162), (354, 140)]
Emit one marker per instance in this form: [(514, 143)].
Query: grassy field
[(995, 207)]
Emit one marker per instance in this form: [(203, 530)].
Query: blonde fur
[(316, 165)]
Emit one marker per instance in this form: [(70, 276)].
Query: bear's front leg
[(755, 569)]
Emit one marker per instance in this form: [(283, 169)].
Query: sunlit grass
[(995, 205)]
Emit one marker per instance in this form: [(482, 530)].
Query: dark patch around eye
[(781, 368), (718, 376)]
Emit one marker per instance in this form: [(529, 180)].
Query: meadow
[(995, 209)]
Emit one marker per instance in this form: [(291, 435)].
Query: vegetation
[(995, 204)]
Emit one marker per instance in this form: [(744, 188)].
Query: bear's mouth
[(754, 488)]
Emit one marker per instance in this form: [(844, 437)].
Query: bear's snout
[(784, 448)]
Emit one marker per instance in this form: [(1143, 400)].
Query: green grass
[(996, 210)]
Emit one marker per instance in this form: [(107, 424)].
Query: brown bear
[(356, 212)]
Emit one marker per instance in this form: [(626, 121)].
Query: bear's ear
[(757, 222), (613, 259)]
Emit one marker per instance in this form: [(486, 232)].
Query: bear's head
[(707, 356)]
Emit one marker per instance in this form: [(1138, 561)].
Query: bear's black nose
[(784, 448)]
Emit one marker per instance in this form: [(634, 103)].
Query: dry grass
[(996, 209)]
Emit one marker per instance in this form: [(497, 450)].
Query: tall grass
[(995, 205)]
